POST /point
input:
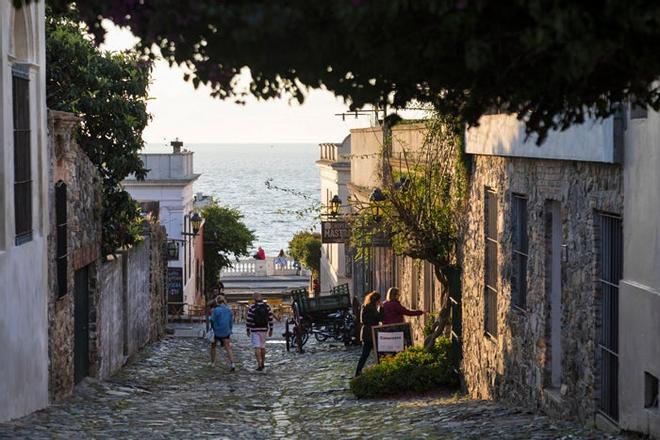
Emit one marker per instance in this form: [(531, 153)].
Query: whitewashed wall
[(23, 269), (504, 135), (639, 294)]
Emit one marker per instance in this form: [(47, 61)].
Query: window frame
[(491, 245), (22, 160), (61, 238), (519, 250)]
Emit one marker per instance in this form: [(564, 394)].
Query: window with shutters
[(520, 255), (22, 154), (490, 273), (62, 249)]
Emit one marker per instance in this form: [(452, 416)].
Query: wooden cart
[(325, 317)]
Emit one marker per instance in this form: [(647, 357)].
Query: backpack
[(260, 317)]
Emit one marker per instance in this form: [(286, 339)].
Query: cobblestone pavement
[(171, 391)]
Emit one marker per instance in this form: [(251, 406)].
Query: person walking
[(370, 315), (393, 311), (222, 323), (259, 321), (280, 260)]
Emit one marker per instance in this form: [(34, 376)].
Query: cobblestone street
[(171, 391)]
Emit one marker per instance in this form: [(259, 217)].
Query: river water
[(236, 175)]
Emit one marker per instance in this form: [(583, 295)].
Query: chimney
[(176, 144)]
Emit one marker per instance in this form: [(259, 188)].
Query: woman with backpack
[(259, 321), (370, 316)]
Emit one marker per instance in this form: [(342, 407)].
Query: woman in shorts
[(222, 323)]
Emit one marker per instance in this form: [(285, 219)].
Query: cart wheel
[(321, 337), (296, 314), (287, 335), (299, 333), (348, 329)]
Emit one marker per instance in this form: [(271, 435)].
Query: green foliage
[(411, 371), (550, 62), (226, 238), (429, 324), (426, 192), (305, 247), (109, 92)]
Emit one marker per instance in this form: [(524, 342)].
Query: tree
[(305, 247), (109, 92), (226, 238), (552, 63), (425, 189)]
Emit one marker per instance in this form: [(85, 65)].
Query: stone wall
[(514, 364), (109, 351), (69, 165), (126, 292), (131, 301), (137, 296), (157, 275)]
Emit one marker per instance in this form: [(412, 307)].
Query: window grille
[(610, 270), (62, 250), (490, 293), (22, 155), (520, 252)]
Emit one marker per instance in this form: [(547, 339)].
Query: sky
[(193, 116)]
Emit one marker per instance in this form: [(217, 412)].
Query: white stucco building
[(23, 211), (639, 297), (335, 169), (170, 183)]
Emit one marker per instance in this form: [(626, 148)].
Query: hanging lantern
[(376, 200), (335, 205), (196, 221), (172, 250)]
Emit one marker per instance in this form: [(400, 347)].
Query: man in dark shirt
[(259, 321)]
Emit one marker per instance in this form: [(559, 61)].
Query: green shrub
[(411, 371), (428, 324)]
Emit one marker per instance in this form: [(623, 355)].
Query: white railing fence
[(262, 268)]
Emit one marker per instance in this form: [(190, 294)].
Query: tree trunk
[(444, 315)]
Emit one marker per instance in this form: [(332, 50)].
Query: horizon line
[(234, 143)]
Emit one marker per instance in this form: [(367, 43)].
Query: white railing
[(262, 268)]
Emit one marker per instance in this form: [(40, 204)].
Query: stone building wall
[(514, 364), (71, 166)]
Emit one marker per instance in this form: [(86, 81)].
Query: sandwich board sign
[(390, 339)]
